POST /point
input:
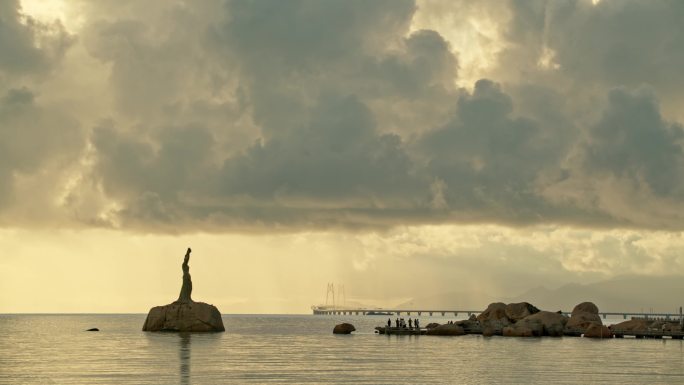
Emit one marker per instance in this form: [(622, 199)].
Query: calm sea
[(55, 349)]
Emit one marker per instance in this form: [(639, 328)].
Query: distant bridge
[(329, 310)]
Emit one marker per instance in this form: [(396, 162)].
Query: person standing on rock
[(389, 322), (186, 289)]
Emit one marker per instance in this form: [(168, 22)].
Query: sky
[(397, 148)]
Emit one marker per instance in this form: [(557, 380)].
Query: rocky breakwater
[(520, 320), (184, 315)]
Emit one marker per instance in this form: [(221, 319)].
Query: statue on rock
[(186, 289), (184, 315)]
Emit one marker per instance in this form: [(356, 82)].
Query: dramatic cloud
[(307, 115), (450, 142), (38, 141)]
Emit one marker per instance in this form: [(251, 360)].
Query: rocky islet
[(184, 314)]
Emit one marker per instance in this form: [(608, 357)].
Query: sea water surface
[(301, 349)]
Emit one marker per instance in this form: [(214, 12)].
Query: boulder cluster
[(526, 320)]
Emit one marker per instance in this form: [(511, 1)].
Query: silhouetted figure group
[(401, 324)]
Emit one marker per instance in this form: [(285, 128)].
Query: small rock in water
[(343, 328), (93, 330)]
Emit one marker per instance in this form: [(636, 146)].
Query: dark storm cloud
[(337, 156), (319, 155), (633, 141), (488, 158), (619, 43), (310, 114), (321, 80), (33, 137), (609, 44)]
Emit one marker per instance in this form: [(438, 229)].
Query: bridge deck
[(455, 313)]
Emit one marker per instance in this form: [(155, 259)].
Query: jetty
[(400, 331), (620, 333), (617, 333)]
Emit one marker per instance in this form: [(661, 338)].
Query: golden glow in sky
[(47, 11), (473, 36)]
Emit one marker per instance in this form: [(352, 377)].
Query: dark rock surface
[(583, 316), (184, 317), (495, 312), (524, 328), (553, 323), (446, 330), (517, 311), (343, 328), (598, 331)]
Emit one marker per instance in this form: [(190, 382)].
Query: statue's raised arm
[(187, 259)]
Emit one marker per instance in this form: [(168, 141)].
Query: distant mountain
[(624, 293)]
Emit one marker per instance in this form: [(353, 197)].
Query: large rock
[(518, 311), (598, 331), (524, 328), (638, 324), (553, 324), (496, 311), (432, 325), (446, 330), (184, 317), (343, 328), (586, 307), (583, 316)]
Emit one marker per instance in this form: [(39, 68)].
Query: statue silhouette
[(186, 289)]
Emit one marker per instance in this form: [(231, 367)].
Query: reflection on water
[(184, 357), (54, 349)]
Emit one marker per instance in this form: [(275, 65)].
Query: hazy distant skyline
[(400, 148)]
